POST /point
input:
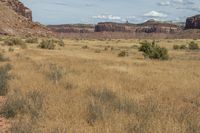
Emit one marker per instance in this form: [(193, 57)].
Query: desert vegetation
[(74, 89), (153, 51)]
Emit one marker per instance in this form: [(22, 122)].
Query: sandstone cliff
[(72, 28), (193, 22), (147, 27), (15, 19), (18, 7)]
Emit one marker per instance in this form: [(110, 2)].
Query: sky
[(94, 11)]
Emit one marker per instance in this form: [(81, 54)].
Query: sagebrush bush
[(61, 43), (31, 40), (183, 47), (17, 103), (94, 112), (58, 130), (14, 41), (176, 47), (153, 51), (2, 58), (56, 73), (4, 77), (24, 126), (123, 53), (85, 47), (103, 95), (47, 44), (1, 39), (193, 46)]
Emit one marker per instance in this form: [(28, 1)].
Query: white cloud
[(166, 3), (110, 17), (155, 14), (178, 1)]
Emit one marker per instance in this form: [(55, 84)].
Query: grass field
[(85, 87)]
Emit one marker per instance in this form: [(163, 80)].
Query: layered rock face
[(113, 27), (147, 27), (12, 23), (193, 22), (72, 28), (18, 7), (158, 27)]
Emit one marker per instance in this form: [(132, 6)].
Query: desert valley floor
[(86, 87)]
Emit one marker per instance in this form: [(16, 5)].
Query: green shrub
[(2, 58), (85, 47), (1, 39), (176, 47), (31, 104), (31, 40), (103, 95), (23, 126), (183, 47), (56, 73), (47, 44), (4, 76), (153, 51), (193, 46), (14, 41), (61, 43), (11, 49), (123, 53), (58, 130), (97, 51), (70, 86), (94, 113)]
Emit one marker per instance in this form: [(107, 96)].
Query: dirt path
[(4, 123)]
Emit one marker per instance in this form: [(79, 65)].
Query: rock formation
[(72, 28), (147, 27), (15, 20), (18, 7), (113, 27), (193, 22), (158, 27)]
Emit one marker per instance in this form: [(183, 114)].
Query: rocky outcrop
[(193, 22), (147, 27), (112, 27), (18, 7), (72, 28), (12, 23), (158, 27)]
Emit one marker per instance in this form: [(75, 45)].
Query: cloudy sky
[(93, 11)]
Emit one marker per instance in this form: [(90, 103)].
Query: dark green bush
[(183, 47), (31, 103), (31, 40), (123, 53), (153, 51), (176, 47), (193, 46), (61, 43), (4, 76), (85, 47), (47, 44), (14, 41), (2, 58), (56, 73)]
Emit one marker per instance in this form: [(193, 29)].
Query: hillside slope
[(12, 23)]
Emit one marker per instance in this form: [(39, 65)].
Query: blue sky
[(93, 11)]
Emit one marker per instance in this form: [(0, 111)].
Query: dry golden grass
[(98, 92)]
